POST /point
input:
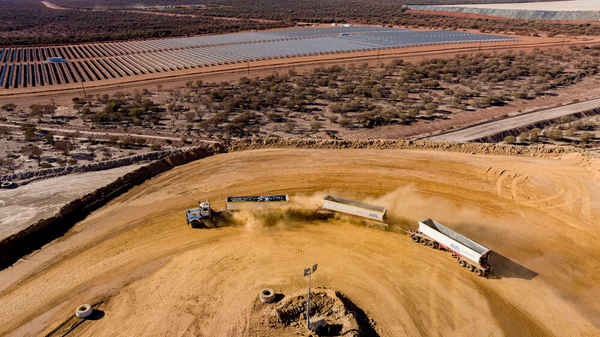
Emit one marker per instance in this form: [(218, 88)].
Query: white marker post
[(308, 272)]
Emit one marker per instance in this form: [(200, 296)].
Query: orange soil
[(161, 278)]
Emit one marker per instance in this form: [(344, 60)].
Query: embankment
[(541, 150), (44, 231)]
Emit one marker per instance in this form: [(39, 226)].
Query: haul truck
[(469, 253), (198, 217), (374, 213), (206, 217)]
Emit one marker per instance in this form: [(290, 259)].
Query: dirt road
[(489, 129), (157, 277), (94, 133)]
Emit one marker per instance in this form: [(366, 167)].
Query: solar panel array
[(29, 67)]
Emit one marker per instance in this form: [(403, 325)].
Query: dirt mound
[(541, 150), (332, 314)]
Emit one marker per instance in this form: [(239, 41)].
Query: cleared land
[(557, 11), (484, 130), (575, 5), (21, 207), (156, 276)]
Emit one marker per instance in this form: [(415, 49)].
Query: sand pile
[(331, 314)]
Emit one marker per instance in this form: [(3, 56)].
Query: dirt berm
[(44, 231), (539, 150)]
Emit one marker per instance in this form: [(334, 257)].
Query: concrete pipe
[(84, 311), (267, 295)]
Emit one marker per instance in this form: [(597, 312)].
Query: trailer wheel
[(472, 268), (479, 272), (462, 263), (414, 238)]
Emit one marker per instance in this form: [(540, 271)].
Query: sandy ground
[(574, 5), (27, 204), (159, 278), (500, 18)]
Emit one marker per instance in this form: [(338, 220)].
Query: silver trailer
[(352, 207), (469, 253)]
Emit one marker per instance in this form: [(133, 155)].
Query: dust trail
[(301, 210), (405, 207), (407, 204)]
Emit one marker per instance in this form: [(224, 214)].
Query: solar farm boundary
[(18, 65), (289, 62)]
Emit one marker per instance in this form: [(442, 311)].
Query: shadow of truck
[(503, 267)]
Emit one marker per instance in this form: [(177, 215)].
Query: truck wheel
[(84, 310)]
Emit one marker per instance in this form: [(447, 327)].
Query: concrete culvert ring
[(84, 310), (267, 295)]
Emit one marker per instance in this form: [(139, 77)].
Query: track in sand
[(159, 278)]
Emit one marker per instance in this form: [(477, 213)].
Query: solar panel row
[(26, 67)]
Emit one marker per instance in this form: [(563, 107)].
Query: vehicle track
[(207, 280)]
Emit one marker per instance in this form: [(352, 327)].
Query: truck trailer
[(469, 253), (373, 216), (236, 203)]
